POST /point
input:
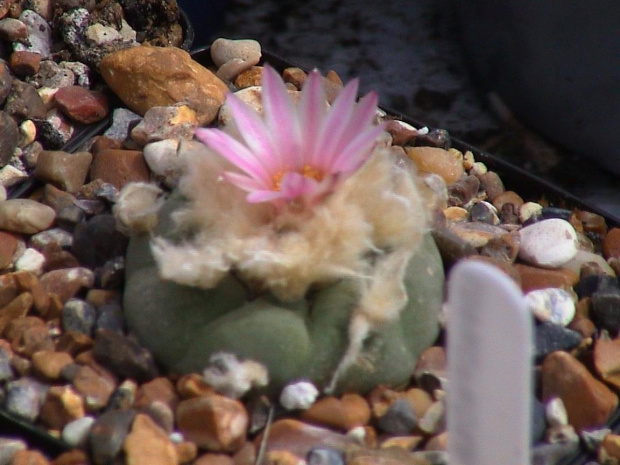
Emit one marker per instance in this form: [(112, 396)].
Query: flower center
[(307, 171)]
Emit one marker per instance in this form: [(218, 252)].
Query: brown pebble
[(419, 400), (213, 422), (72, 457), (101, 143), (82, 105), (295, 76), (16, 308), (159, 389), (492, 184), (65, 170), (187, 451), (389, 456), (432, 361), (95, 386), (540, 278), (246, 455), (33, 339), (591, 222), (583, 326), (74, 342), (438, 161), (148, 444), (402, 442), (249, 77), (29, 282), (8, 246), (217, 459), (193, 385), (504, 248), (607, 360), (437, 442), (62, 405), (49, 364), (56, 198), (609, 450), (66, 283), (25, 63), (345, 413), (463, 190), (589, 403), (611, 244), (9, 289), (507, 197), (29, 457), (381, 398), (120, 167)]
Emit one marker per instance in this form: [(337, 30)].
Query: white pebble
[(176, 437), (298, 396), (555, 412), (583, 256), (9, 176), (549, 243), (31, 260), (75, 433), (224, 50), (163, 159), (528, 210), (102, 35), (551, 304)]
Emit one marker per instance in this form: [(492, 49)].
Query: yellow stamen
[(307, 171)]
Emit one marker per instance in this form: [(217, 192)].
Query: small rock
[(161, 414), (462, 191), (97, 240), (590, 284), (123, 356), (32, 338), (31, 260), (9, 137), (62, 405), (8, 448), (399, 419), (145, 77), (163, 158), (29, 457), (122, 120), (609, 449), (589, 403), (434, 420), (549, 243), (148, 444), (14, 309), (107, 435), (491, 183), (507, 197), (95, 386), (504, 248), (605, 311), (324, 456), (483, 211), (562, 434), (584, 258), (452, 247), (611, 244), (159, 389), (550, 337), (25, 216), (57, 236), (349, 411), (66, 283), (476, 234), (161, 123), (120, 167), (607, 360), (554, 305), (78, 315), (232, 57), (556, 412), (540, 278), (24, 102), (49, 364), (6, 372), (75, 433), (39, 34), (110, 317), (23, 398), (65, 170), (300, 395), (12, 30), (213, 422), (25, 63), (438, 161)]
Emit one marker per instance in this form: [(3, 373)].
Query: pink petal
[(244, 182), (279, 115), (254, 132), (335, 124), (295, 185), (312, 107), (357, 151), (234, 151), (361, 119)]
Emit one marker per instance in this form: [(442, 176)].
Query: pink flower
[(296, 152)]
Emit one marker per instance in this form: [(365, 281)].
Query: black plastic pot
[(515, 178), (555, 64)]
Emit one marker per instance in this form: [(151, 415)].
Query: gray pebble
[(552, 454), (76, 432), (123, 356), (549, 337), (110, 317), (24, 397), (6, 372), (322, 456), (78, 315), (97, 240), (8, 448), (399, 419), (606, 311), (123, 121), (434, 419), (432, 457), (160, 413), (108, 433)]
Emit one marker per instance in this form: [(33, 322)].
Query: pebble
[(120, 167), (23, 398), (325, 456), (298, 396), (107, 435), (584, 257), (145, 77), (148, 444), (555, 412), (462, 191), (10, 137), (124, 356), (12, 29), (49, 364), (213, 422), (593, 283), (483, 212), (565, 377), (24, 102), (342, 413), (61, 406), (399, 419), (110, 317), (82, 105), (438, 161), (97, 240), (539, 278), (96, 387), (434, 421), (122, 120), (66, 283), (25, 216), (549, 337), (529, 210), (607, 360), (611, 244), (475, 233), (39, 34), (29, 457), (552, 304), (57, 236), (78, 315), (606, 311), (549, 243), (75, 433), (9, 447), (30, 260), (25, 63), (161, 123), (232, 57), (504, 248), (164, 160)]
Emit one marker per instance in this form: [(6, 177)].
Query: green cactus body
[(184, 326)]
